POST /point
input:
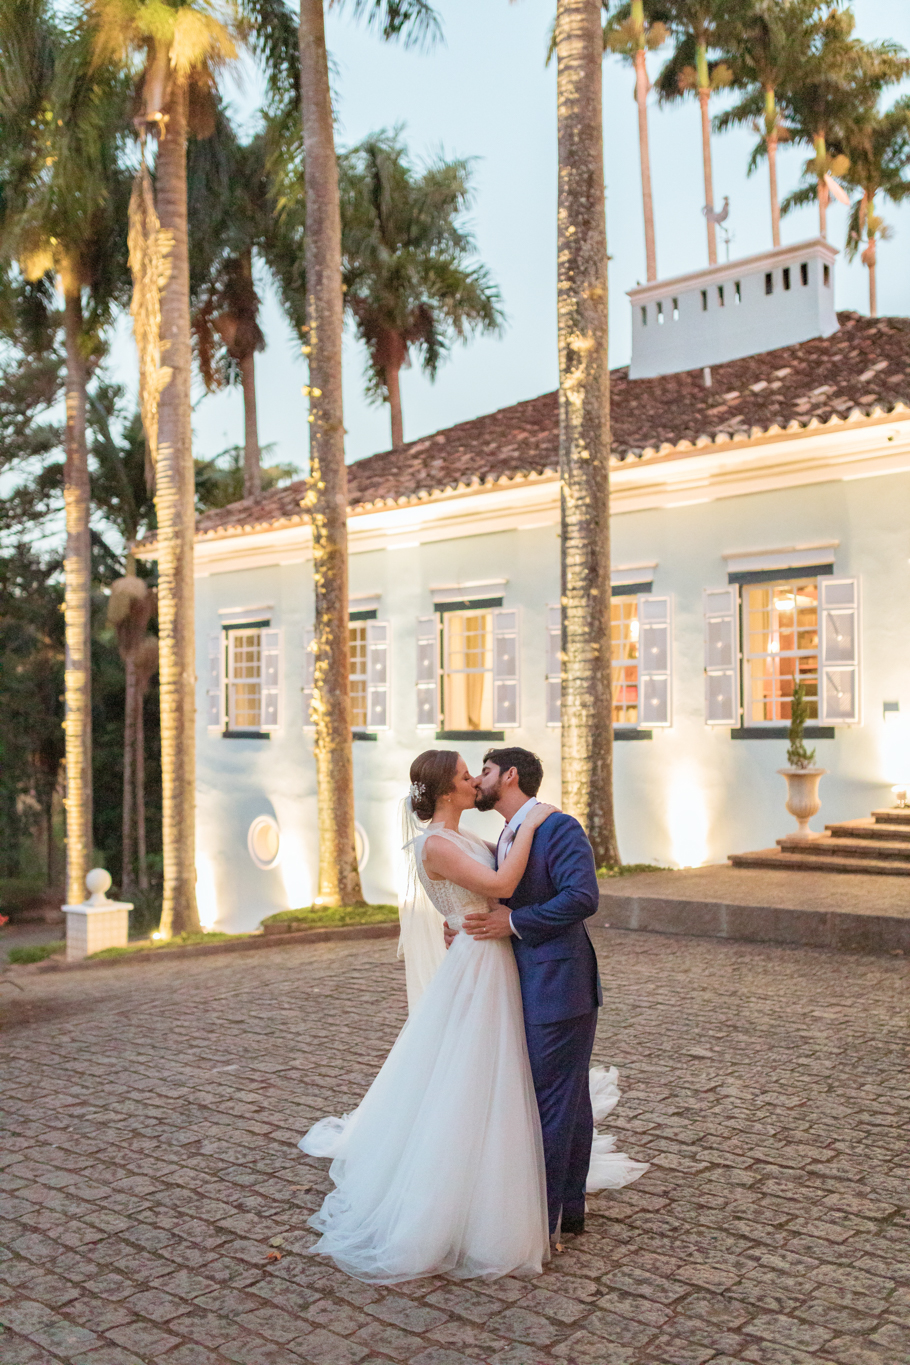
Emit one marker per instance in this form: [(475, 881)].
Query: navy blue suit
[(560, 992)]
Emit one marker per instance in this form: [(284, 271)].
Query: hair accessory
[(417, 791)]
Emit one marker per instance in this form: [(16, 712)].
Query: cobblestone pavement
[(150, 1178)]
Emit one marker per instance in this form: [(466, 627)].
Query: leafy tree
[(584, 427), (62, 116), (31, 703), (879, 150), (327, 501), (627, 32), (410, 279)]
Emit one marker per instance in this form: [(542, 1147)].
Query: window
[(358, 673), (826, 275), (468, 670), (769, 283), (554, 665), (640, 642), (644, 317), (720, 296), (251, 658), (624, 642), (704, 300), (786, 273), (676, 310), (780, 634), (804, 273), (737, 292), (368, 674), (660, 313)]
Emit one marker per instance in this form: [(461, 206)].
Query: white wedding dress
[(439, 1169)]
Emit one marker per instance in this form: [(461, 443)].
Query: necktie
[(505, 843)]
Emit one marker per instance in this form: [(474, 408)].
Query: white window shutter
[(427, 672), (213, 694), (838, 681), (505, 669), (309, 674), (377, 675), (271, 668), (654, 667), (721, 621), (554, 665)]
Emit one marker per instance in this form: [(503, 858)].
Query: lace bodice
[(454, 902)]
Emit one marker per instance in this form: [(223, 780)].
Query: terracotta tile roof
[(864, 366)]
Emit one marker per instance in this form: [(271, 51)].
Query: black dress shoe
[(573, 1223)]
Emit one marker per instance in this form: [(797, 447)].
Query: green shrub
[(332, 916), (178, 941), (34, 952)]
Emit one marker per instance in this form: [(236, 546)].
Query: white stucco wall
[(690, 795)]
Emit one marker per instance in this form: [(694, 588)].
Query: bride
[(440, 1168)]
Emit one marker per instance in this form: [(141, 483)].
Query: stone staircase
[(879, 845)]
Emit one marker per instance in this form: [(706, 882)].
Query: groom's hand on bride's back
[(495, 924)]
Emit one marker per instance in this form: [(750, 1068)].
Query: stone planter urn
[(802, 796)]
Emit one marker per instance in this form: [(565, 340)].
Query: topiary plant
[(798, 756)]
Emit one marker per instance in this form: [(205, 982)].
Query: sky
[(486, 93)]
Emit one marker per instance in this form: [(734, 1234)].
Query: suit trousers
[(560, 1056)]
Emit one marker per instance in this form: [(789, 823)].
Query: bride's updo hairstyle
[(432, 775)]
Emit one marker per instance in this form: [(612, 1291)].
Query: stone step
[(899, 815), (780, 860), (825, 846), (870, 829)]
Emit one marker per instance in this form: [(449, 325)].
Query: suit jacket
[(557, 965)]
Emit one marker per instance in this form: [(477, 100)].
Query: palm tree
[(837, 87), (692, 23), (879, 151), (176, 49), (131, 606), (230, 216), (408, 276), (61, 130), (626, 31), (765, 44), (584, 428), (327, 500)]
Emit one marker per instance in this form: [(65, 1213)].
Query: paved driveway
[(150, 1169)]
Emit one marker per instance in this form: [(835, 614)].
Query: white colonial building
[(760, 537)]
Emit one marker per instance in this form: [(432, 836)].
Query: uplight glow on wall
[(295, 871), (206, 895), (687, 819)]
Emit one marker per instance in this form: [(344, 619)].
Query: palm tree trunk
[(703, 96), (327, 496), (821, 156), (393, 389), (175, 508), (77, 609), (771, 141), (252, 456), (584, 428), (641, 99), (140, 790), (129, 751)]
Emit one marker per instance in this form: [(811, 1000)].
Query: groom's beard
[(487, 800)]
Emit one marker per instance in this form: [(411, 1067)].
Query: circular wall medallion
[(264, 842), (361, 845)]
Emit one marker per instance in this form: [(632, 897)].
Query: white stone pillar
[(97, 923)]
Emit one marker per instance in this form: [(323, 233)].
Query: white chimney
[(729, 311)]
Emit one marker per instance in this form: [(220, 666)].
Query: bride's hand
[(537, 814)]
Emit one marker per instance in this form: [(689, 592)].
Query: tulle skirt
[(440, 1168)]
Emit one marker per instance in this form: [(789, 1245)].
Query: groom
[(557, 968)]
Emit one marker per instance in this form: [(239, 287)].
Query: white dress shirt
[(509, 830)]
